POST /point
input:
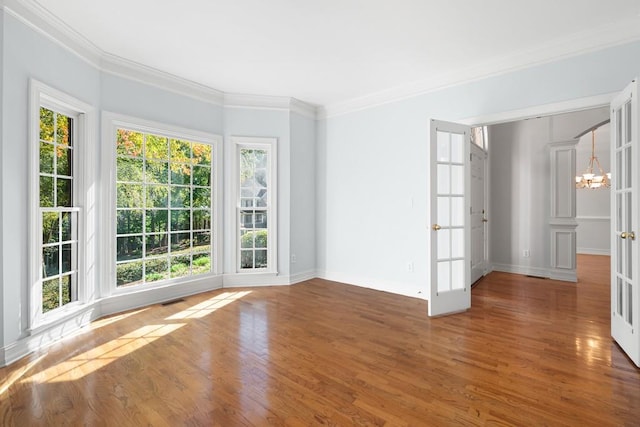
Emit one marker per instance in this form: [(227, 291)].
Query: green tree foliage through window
[(163, 207)]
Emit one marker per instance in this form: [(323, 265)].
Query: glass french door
[(625, 299), (450, 225)]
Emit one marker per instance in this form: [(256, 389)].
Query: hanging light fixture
[(594, 179)]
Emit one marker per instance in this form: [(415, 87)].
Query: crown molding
[(118, 66), (603, 37), (42, 21), (266, 102)]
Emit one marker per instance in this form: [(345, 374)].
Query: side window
[(59, 130), (58, 210), (256, 201)]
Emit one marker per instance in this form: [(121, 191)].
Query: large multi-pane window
[(163, 207), (255, 204), (58, 210)]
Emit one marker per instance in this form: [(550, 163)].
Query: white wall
[(373, 162), (594, 206), (303, 196)]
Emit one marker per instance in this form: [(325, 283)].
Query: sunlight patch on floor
[(81, 365), (209, 306)]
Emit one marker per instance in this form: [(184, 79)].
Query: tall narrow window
[(58, 211), (163, 207), (256, 204)]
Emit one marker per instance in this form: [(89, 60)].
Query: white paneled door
[(450, 224), (478, 214), (625, 299)]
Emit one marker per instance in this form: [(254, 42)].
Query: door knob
[(630, 234), (623, 235), (485, 220), (436, 227)]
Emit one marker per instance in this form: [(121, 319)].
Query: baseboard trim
[(593, 251), (144, 298), (565, 276), (398, 288), (524, 270)]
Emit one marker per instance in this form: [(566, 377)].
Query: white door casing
[(449, 164), (625, 160), (478, 213)]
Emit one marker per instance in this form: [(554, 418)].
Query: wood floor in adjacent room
[(529, 352)]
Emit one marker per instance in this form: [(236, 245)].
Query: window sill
[(79, 313)]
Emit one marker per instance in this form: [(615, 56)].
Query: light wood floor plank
[(529, 352)]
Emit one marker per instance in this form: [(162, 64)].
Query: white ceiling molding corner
[(303, 108)]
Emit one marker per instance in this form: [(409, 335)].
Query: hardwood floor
[(529, 352)]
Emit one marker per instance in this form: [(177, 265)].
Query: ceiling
[(328, 52)]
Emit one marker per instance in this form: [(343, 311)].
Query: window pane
[(50, 294), (261, 259), (246, 238), (180, 151), (180, 266), (69, 288), (64, 189), (156, 221), (201, 241), (180, 197), (68, 261), (157, 245), (261, 238), (201, 154), (443, 148), (156, 269), (157, 147), (157, 172), (457, 148), (246, 258), (201, 198), (201, 263), (180, 220), (63, 130), (64, 161), (180, 174), (202, 176), (129, 195), (180, 242), (46, 192), (128, 143), (444, 276), (129, 170), (157, 196), (46, 124), (129, 248), (129, 221), (69, 226), (51, 261), (46, 157), (50, 227), (444, 174), (201, 219), (129, 273)]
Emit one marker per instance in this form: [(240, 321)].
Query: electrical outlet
[(410, 267), (526, 253), (293, 258)]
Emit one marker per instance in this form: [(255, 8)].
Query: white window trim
[(110, 123), (260, 143), (83, 114)]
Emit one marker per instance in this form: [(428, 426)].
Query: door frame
[(571, 106)]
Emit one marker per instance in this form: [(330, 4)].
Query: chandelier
[(590, 178)]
